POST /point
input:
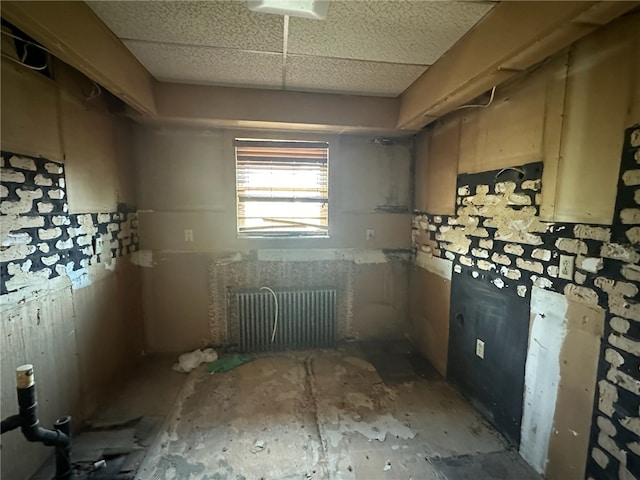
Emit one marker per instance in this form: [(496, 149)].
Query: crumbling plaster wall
[(72, 311), (186, 180), (571, 115)]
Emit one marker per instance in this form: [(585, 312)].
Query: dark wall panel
[(495, 384)]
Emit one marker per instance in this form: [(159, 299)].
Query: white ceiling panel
[(215, 66), (399, 31), (371, 47), (228, 24), (349, 76)]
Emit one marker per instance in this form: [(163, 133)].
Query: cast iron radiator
[(306, 319)]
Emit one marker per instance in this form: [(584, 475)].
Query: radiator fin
[(306, 319)]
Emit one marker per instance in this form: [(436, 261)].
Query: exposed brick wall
[(39, 238), (497, 236)]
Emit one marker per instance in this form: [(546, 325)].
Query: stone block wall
[(40, 239), (497, 236)]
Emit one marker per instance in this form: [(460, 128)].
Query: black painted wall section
[(625, 459), (495, 384), (40, 238), (487, 247)]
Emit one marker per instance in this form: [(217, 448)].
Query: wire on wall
[(275, 318), (27, 43), (493, 92), (15, 60), (513, 169), (95, 92)]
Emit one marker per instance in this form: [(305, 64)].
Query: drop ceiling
[(362, 47)]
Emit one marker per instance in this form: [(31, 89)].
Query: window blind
[(282, 187)]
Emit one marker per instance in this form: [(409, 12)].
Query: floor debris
[(321, 415), (192, 360), (316, 415), (226, 364), (258, 446)]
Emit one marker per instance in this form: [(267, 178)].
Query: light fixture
[(316, 9)]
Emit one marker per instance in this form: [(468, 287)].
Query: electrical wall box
[(567, 264)]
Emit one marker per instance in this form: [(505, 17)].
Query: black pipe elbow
[(27, 420), (50, 438)]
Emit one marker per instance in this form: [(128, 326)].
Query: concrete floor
[(309, 415)]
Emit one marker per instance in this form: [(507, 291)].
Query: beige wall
[(186, 180), (569, 112), (80, 340), (430, 316)]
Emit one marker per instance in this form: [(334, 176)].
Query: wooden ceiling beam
[(200, 105), (509, 39)]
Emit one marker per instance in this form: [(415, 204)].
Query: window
[(282, 188)]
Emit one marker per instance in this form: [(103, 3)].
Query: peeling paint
[(529, 265), (600, 458), (511, 273), (21, 276), (631, 177), (630, 216), (439, 266), (633, 235), (631, 272), (590, 264), (79, 278), (608, 395), (501, 259), (613, 357), (624, 380), (23, 163), (600, 234), (581, 294), (542, 375), (16, 252), (571, 245)]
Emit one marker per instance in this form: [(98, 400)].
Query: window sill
[(281, 237)]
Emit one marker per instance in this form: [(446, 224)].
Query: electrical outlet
[(567, 263), (370, 233), (480, 348), (188, 235)]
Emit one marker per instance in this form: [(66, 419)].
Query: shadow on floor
[(396, 362), (492, 466)]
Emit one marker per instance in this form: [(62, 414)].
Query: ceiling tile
[(335, 75), (205, 65), (399, 31), (228, 24)]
